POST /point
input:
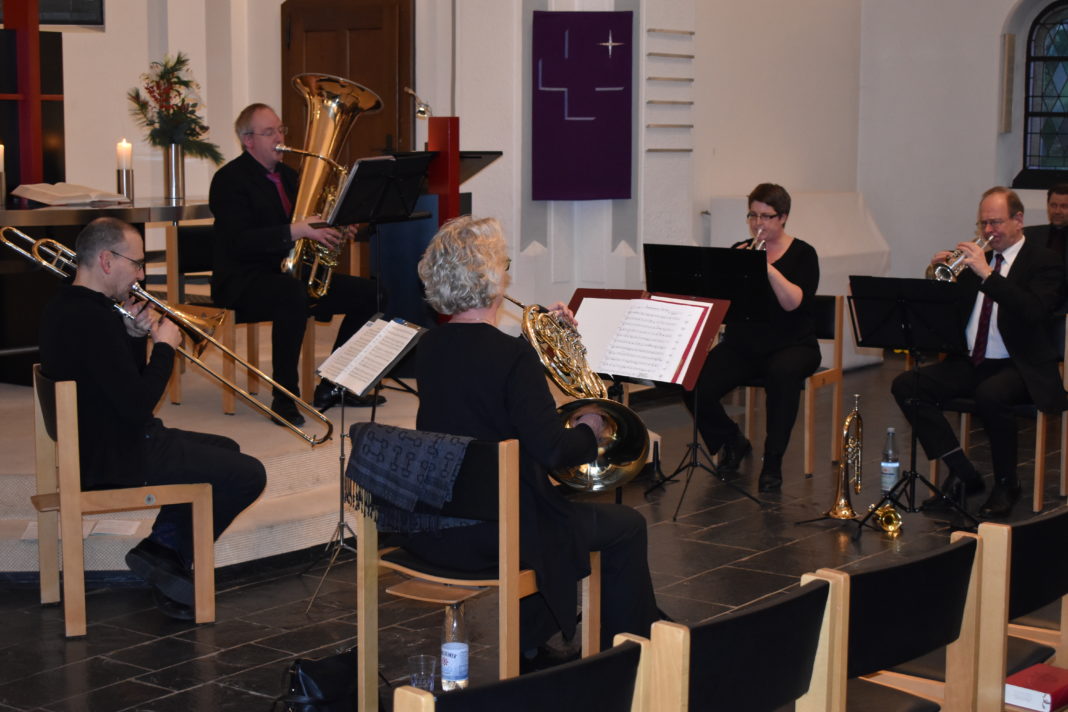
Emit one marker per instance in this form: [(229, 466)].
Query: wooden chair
[(828, 316), (194, 264), (61, 504), (730, 663), (616, 680), (433, 584), (885, 616), (966, 407)]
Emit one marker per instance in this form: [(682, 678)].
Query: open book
[(66, 194)]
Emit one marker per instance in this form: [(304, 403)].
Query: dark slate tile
[(211, 696), (311, 637), (120, 696), (163, 652), (61, 683), (729, 586), (228, 634), (212, 667), (686, 557)]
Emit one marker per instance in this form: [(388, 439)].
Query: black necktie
[(979, 351)]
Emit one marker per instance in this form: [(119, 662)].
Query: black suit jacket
[(1026, 299), (251, 226)]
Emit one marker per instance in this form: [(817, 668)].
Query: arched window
[(1045, 148)]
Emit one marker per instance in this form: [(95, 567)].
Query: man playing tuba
[(252, 200), (1012, 358)]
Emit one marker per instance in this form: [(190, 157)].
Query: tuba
[(950, 269), (851, 459), (623, 451), (333, 105)]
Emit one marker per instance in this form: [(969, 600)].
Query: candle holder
[(3, 188), (124, 182)]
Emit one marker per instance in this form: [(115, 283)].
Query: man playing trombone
[(1011, 354), (86, 340)]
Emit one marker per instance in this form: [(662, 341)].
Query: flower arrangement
[(168, 108)]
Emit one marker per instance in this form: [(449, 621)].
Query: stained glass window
[(1046, 112)]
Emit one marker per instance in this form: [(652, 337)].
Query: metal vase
[(174, 173)]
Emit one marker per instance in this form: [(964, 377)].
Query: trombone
[(60, 260)]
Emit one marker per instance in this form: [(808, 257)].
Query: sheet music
[(651, 341), (361, 360), (641, 338), (706, 310)]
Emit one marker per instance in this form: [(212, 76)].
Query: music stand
[(917, 316), (738, 276)]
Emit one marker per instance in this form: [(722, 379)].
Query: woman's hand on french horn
[(562, 311)]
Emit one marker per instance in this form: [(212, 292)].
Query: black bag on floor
[(326, 685)]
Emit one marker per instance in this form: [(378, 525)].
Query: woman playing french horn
[(782, 350), (476, 381)]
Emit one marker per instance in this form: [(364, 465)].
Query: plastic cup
[(421, 669)]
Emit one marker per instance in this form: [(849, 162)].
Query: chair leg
[(252, 351), (73, 572), (367, 613), (307, 362), (965, 432), (228, 338), (750, 411), (836, 420), (1041, 428), (1064, 455), (203, 556), (810, 428), (48, 555), (591, 607)]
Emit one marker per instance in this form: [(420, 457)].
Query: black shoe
[(286, 408), (327, 396), (171, 608), (1000, 502), (163, 569), (956, 489), (770, 482), (736, 448), (546, 658)]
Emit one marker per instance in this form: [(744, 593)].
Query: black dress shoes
[(163, 569), (327, 396), (1001, 501), (171, 608), (547, 657), (286, 408), (736, 448), (956, 489), (770, 482)]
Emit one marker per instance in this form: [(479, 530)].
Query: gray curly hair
[(465, 266)]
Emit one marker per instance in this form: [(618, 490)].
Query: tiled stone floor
[(723, 551)]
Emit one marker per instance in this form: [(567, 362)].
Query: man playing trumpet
[(1011, 354)]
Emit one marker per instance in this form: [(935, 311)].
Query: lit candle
[(1, 158), (124, 155)]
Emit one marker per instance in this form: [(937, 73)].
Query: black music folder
[(739, 276)]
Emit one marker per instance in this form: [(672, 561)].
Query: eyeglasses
[(983, 224), (139, 264), (761, 216), (273, 131)]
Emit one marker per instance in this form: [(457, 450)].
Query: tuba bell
[(625, 445), (333, 105)]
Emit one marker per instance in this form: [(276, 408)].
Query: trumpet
[(757, 243), (852, 458), (949, 269), (561, 352), (62, 262)]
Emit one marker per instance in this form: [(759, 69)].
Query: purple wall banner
[(581, 105)]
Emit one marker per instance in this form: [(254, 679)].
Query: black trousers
[(174, 456), (628, 604), (995, 385), (284, 301), (727, 367)]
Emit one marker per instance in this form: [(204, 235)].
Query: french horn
[(624, 447)]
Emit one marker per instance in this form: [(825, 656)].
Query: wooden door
[(370, 42)]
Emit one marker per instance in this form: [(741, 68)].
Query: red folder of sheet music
[(1040, 687), (645, 336)]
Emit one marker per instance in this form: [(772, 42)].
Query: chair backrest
[(730, 661), (196, 248), (45, 390), (924, 596), (1037, 576), (615, 680), (825, 316)]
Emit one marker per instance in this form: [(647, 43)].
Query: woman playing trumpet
[(782, 350), (476, 381)]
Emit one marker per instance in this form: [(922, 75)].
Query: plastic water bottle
[(454, 649), (890, 467)]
